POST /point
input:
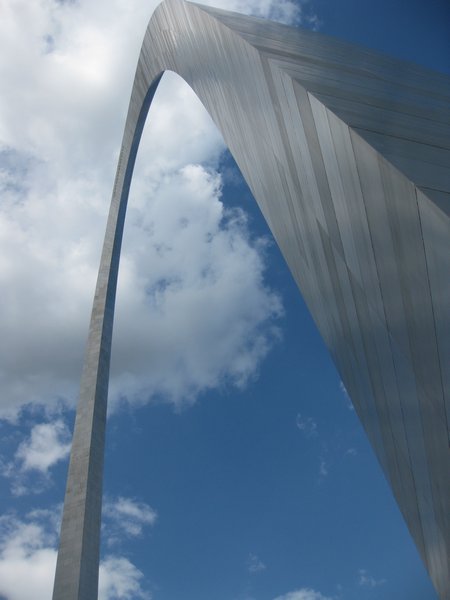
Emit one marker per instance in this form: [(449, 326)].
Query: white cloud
[(367, 580), (48, 444), (45, 446), (206, 317), (126, 516), (27, 558), (197, 308), (303, 594), (28, 561), (119, 579), (283, 11)]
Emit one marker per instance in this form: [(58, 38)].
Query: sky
[(236, 468)]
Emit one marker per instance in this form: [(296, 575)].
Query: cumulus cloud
[(28, 561), (303, 594), (206, 316), (194, 311), (28, 554), (45, 446), (119, 579), (48, 444)]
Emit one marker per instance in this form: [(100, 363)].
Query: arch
[(359, 217)]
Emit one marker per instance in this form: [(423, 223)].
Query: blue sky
[(236, 468)]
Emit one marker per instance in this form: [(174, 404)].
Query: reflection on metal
[(347, 154)]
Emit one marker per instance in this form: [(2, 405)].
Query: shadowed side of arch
[(352, 215)]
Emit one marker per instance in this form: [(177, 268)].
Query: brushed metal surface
[(346, 152)]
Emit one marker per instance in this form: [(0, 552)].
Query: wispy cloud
[(323, 468), (347, 398), (126, 517), (307, 425), (309, 429), (303, 594), (367, 580), (255, 564)]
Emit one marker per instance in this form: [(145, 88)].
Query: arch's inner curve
[(359, 215)]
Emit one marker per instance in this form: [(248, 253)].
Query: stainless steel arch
[(347, 154)]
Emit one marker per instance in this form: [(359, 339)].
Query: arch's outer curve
[(347, 154)]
